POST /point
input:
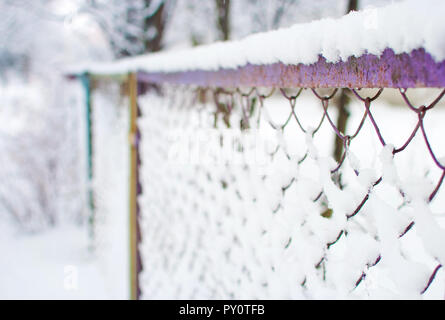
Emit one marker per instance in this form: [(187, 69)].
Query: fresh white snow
[(224, 231), (55, 264), (43, 262), (402, 26)]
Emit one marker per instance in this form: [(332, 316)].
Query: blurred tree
[(197, 22), (223, 18), (265, 15), (131, 27), (39, 129), (343, 112)]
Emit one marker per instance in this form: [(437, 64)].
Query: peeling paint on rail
[(390, 70)]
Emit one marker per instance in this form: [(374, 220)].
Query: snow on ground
[(55, 264)]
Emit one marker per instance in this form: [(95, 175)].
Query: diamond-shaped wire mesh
[(242, 199)]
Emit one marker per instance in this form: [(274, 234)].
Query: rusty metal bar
[(134, 189), (390, 70)]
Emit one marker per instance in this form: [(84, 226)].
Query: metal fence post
[(134, 189), (86, 83)]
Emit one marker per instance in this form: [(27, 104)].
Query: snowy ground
[(52, 265), (56, 263)]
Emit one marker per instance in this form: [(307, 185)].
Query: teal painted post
[(86, 82)]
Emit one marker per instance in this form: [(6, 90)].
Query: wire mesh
[(243, 200)]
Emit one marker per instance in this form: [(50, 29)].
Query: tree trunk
[(223, 19), (352, 5), (342, 105), (157, 21), (343, 115)]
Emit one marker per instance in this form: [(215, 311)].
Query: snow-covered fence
[(241, 198), (238, 194)]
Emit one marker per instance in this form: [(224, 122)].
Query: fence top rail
[(399, 45)]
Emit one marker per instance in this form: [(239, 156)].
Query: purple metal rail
[(414, 70)]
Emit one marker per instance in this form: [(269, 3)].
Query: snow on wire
[(272, 245)]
